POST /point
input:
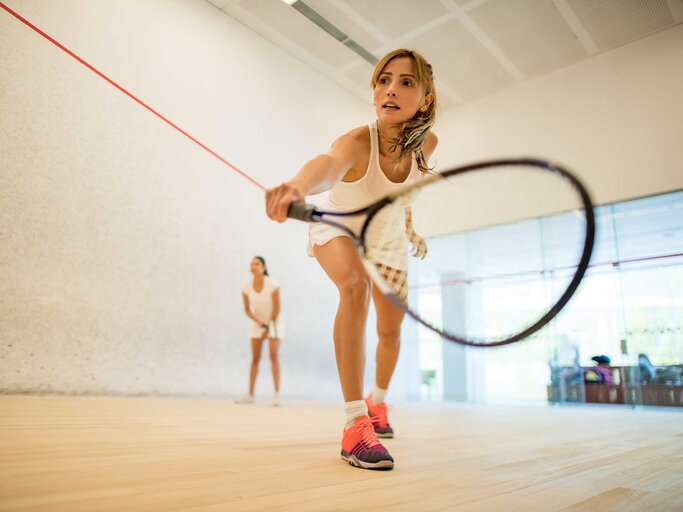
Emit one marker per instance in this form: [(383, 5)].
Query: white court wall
[(123, 245), (615, 118)]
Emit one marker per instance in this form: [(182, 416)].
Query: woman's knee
[(389, 335), (355, 286)]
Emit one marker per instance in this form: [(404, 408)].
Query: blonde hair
[(414, 131)]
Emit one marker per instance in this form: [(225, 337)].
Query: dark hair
[(265, 268), (601, 359)]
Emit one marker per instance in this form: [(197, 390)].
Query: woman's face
[(257, 268), (397, 94)]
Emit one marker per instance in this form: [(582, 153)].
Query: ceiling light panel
[(299, 29), (614, 22), (345, 22), (460, 61), (397, 17), (531, 33)]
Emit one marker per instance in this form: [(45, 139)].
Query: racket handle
[(301, 211)]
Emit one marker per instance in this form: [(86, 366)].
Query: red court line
[(130, 95)]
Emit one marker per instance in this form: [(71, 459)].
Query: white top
[(261, 303), (372, 186), (349, 196)]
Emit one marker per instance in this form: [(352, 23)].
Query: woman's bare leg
[(340, 260), (274, 363), (256, 345), (389, 319)]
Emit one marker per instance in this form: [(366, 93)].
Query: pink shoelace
[(367, 433)]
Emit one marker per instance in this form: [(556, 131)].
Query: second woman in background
[(261, 296)]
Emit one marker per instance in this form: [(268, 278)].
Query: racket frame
[(309, 213)]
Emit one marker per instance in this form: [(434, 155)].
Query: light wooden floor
[(137, 454)]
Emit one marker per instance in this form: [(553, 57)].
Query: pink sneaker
[(361, 448), (378, 416)]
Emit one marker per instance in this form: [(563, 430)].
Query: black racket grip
[(301, 211)]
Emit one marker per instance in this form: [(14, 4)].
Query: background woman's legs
[(274, 346), (256, 346)]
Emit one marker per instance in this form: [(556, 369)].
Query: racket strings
[(386, 247), (504, 245), (396, 279)]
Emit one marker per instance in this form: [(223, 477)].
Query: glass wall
[(431, 353), (628, 308)]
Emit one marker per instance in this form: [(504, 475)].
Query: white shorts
[(320, 234), (275, 331), (394, 255)]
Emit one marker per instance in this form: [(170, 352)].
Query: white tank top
[(348, 196), (373, 185)]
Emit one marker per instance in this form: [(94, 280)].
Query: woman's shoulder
[(360, 133), (359, 137), (431, 141), (272, 283)]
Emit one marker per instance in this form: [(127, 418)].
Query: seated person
[(661, 375), (646, 368), (601, 374)]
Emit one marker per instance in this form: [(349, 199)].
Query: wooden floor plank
[(141, 454)]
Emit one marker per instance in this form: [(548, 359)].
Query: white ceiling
[(476, 47)]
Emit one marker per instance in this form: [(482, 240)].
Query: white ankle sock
[(378, 395), (354, 409)]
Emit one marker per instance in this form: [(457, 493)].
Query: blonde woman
[(361, 166), (261, 297)]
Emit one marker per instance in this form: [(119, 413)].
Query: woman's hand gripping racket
[(509, 242), (269, 329)]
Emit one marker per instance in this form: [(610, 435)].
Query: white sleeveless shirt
[(348, 196)]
